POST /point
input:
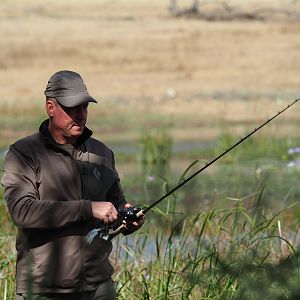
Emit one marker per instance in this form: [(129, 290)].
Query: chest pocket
[(96, 180)]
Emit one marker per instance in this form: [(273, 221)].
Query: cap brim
[(71, 101)]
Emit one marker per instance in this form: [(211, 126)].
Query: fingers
[(107, 213), (111, 216), (135, 225), (104, 211)]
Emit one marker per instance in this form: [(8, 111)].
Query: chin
[(76, 133)]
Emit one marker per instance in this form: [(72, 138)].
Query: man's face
[(67, 123)]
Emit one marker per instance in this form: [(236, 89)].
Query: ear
[(50, 107)]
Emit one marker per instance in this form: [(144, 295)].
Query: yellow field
[(135, 57)]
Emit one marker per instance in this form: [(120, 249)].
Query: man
[(61, 185)]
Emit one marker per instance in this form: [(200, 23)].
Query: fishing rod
[(135, 213)]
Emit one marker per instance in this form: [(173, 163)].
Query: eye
[(74, 110)]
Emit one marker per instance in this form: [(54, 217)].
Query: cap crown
[(68, 88)]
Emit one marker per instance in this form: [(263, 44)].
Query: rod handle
[(140, 214), (117, 231), (123, 227)]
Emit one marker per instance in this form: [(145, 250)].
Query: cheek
[(62, 121), (85, 116)]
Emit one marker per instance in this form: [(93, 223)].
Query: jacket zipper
[(83, 196)]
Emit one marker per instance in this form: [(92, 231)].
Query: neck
[(59, 136)]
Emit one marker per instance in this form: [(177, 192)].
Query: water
[(185, 147), (3, 153), (178, 147)]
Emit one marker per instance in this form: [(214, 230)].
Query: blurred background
[(189, 75), (177, 83)]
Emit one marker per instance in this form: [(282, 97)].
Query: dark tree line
[(223, 11)]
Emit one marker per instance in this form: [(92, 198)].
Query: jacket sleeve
[(20, 183)]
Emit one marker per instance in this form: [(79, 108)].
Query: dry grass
[(137, 58)]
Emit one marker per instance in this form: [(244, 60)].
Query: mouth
[(78, 126)]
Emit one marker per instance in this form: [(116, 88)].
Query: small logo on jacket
[(96, 173)]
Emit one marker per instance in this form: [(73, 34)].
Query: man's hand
[(132, 226), (104, 211)]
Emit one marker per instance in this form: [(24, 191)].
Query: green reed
[(256, 147), (155, 152), (232, 253), (7, 253), (215, 254)]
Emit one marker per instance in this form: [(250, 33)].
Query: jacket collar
[(48, 139)]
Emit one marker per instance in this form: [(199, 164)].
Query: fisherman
[(61, 185)]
